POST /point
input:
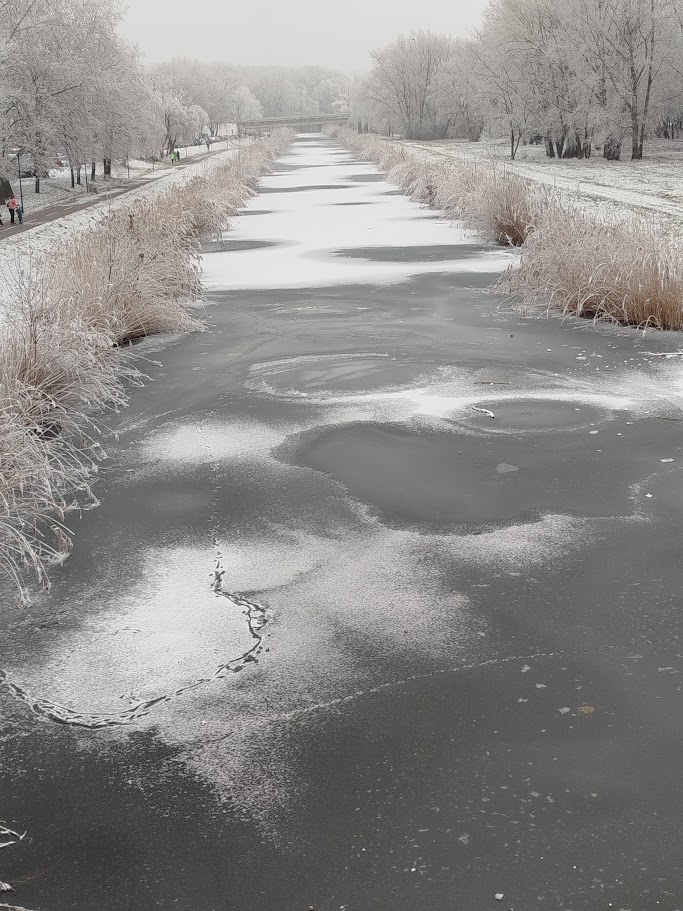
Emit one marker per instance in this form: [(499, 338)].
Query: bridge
[(293, 120)]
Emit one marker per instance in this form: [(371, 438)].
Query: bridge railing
[(309, 120)]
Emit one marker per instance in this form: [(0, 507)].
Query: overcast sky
[(293, 32)]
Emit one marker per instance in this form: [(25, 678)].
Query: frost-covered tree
[(528, 56), (332, 95), (275, 90), (580, 71), (196, 86), (459, 93), (502, 73), (99, 103), (70, 87), (243, 105), (182, 123), (631, 45), (404, 85)]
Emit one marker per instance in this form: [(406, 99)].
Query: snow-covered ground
[(652, 185), (56, 189)]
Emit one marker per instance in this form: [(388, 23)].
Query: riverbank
[(622, 268), (653, 186), (56, 189), (66, 320)]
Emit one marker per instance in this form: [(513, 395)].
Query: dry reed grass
[(625, 271), (504, 207), (62, 360)]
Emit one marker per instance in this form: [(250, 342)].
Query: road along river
[(381, 605)]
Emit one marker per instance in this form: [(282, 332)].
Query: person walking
[(172, 157), (12, 205)]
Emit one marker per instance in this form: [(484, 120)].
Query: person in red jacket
[(12, 205)]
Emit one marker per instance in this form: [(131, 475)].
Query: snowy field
[(654, 185)]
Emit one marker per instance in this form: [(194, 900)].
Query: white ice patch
[(198, 444), (163, 632), (310, 234), (430, 402), (450, 395)]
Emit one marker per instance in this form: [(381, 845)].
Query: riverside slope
[(381, 605)]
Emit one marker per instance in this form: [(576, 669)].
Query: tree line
[(575, 75), (73, 89)]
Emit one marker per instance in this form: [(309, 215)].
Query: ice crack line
[(256, 620), (492, 662), (46, 708), (12, 838), (295, 714)]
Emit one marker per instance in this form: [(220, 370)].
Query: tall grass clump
[(65, 355), (502, 206), (56, 370), (624, 271), (133, 274)]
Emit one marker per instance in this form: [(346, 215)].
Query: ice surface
[(307, 234)]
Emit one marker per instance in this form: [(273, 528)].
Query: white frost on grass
[(311, 228)]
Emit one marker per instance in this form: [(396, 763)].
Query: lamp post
[(21, 190)]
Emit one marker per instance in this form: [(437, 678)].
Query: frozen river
[(381, 605)]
